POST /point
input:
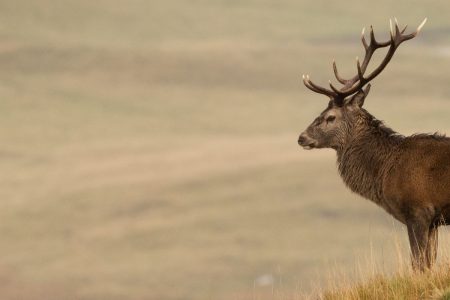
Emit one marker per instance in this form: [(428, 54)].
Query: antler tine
[(373, 41), (403, 30), (411, 35), (391, 31), (363, 38), (419, 28), (318, 89), (397, 30), (333, 87), (360, 73), (339, 78)]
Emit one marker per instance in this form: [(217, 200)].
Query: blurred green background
[(149, 148)]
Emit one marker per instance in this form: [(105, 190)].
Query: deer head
[(338, 121)]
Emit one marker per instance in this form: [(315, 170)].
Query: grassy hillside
[(149, 148), (433, 284)]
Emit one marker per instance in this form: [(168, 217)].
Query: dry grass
[(371, 280), (433, 284)]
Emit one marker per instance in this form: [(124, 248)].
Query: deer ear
[(359, 97)]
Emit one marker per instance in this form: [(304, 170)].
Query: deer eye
[(330, 119)]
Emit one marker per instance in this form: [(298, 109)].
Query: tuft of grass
[(432, 284), (376, 282)]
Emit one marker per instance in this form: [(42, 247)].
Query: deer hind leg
[(418, 232), (431, 252)]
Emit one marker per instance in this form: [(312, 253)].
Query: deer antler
[(357, 82)]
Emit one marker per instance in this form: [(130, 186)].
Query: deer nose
[(302, 139)]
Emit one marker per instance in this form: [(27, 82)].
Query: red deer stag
[(408, 176)]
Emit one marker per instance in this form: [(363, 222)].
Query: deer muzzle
[(306, 142)]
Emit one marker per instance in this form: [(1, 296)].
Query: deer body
[(400, 174), (409, 177)]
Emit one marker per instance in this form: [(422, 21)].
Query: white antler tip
[(421, 25), (390, 26), (396, 22), (363, 31)]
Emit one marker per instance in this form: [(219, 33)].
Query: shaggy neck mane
[(364, 158)]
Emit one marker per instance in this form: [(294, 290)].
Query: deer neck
[(365, 158)]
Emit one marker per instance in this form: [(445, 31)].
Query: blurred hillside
[(149, 148)]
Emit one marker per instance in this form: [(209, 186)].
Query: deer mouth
[(309, 146), (306, 142)]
